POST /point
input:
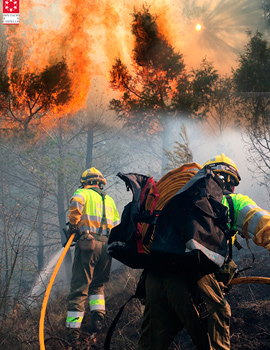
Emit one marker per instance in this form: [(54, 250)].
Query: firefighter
[(169, 306), (251, 222), (92, 215)]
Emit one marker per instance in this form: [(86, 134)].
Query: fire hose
[(251, 279), (48, 290)]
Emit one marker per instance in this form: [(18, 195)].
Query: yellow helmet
[(223, 164), (93, 176)]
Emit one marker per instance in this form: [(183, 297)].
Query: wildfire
[(86, 34), (89, 35)]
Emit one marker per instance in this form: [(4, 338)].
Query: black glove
[(73, 229)]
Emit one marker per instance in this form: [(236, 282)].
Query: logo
[(11, 14)]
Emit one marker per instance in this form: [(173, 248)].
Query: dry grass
[(249, 327)]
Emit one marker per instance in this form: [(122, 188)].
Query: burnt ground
[(250, 304), (250, 320)]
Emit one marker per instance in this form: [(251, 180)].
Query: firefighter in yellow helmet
[(92, 214), (169, 306), (250, 221)]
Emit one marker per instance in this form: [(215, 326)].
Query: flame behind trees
[(156, 87), (148, 91), (28, 97)]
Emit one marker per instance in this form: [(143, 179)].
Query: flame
[(91, 34), (86, 35)]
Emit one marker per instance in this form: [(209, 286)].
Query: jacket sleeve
[(76, 208), (252, 221)]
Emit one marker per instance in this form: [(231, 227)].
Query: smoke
[(206, 144)]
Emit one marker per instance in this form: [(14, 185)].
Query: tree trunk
[(89, 149), (61, 204)]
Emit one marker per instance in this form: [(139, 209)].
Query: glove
[(73, 229)]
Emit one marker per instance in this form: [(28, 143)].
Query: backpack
[(186, 230), (192, 232), (125, 242), (129, 241)]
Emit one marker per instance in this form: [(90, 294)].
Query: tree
[(266, 11), (252, 83), (252, 80), (258, 147), (27, 97), (221, 104), (158, 88)]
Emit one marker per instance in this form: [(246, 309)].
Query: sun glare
[(198, 26)]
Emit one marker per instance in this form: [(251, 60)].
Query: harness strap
[(103, 219), (231, 215)]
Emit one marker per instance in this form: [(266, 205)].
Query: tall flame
[(91, 34)]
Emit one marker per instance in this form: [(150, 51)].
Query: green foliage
[(252, 80), (202, 84), (253, 74), (266, 9)]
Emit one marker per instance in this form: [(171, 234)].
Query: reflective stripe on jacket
[(249, 219), (86, 209)]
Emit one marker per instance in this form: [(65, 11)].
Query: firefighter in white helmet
[(92, 215)]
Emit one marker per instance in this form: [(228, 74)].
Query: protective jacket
[(86, 210), (249, 219)]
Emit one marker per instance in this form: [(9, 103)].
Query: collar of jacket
[(90, 186)]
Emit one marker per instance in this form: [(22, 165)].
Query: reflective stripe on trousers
[(97, 302), (74, 319)]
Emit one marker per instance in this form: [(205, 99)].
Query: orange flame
[(90, 35), (86, 30)]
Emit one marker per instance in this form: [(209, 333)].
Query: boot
[(73, 338), (97, 321)]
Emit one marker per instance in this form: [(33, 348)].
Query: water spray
[(48, 290)]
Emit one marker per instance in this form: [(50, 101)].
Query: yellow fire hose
[(251, 279), (48, 290)]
